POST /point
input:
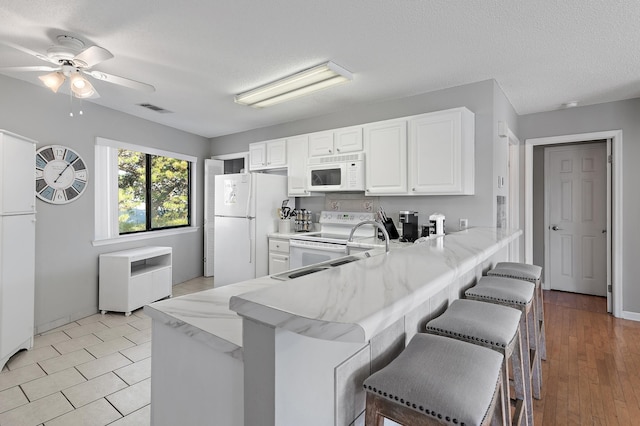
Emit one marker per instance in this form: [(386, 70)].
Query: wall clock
[(61, 174)]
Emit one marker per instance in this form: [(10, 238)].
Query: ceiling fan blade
[(29, 52), (92, 56), (126, 82), (30, 68)]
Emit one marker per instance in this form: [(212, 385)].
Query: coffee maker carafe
[(409, 221)]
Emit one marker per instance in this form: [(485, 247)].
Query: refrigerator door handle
[(250, 227)]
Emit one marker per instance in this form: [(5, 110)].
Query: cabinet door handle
[(338, 149), (329, 151)]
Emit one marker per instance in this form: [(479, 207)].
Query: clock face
[(61, 174)]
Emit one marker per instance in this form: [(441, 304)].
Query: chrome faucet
[(369, 222)]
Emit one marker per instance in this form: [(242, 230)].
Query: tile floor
[(94, 371)]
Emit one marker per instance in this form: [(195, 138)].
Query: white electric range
[(331, 241)]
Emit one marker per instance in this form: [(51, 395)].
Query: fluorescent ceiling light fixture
[(293, 86)]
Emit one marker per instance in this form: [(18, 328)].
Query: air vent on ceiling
[(155, 108)]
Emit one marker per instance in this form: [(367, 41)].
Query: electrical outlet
[(367, 206), (464, 224)]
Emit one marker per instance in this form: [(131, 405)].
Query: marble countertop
[(358, 300), (350, 303)]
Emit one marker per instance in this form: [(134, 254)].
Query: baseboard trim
[(633, 316)]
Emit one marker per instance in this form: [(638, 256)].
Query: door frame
[(547, 235), (614, 190), (514, 192)]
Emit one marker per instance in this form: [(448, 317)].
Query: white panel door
[(212, 168), (575, 182)]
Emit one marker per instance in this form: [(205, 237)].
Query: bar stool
[(437, 380), (531, 273), (495, 327), (516, 294)]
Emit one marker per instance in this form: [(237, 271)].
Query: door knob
[(555, 228)]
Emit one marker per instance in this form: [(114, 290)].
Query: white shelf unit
[(130, 279), (17, 244)]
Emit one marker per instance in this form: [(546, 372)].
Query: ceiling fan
[(73, 61)]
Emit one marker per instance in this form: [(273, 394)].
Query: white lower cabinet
[(278, 255), (130, 279), (17, 290)]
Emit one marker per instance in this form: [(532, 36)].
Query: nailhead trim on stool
[(531, 273), (493, 326), (520, 295), (441, 379)]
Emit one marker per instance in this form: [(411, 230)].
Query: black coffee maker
[(409, 221)]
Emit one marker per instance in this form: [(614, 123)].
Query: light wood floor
[(592, 372)]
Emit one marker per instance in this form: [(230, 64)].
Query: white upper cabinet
[(385, 147), (321, 143), (297, 152), (268, 155), (17, 174), (334, 142), (348, 139), (441, 153)]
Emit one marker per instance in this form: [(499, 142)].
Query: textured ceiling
[(199, 53)]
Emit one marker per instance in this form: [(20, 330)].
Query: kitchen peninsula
[(268, 352)]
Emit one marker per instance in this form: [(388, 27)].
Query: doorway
[(575, 217), (614, 202)]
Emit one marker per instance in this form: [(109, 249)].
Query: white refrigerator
[(246, 210)]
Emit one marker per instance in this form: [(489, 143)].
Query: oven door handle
[(337, 248)]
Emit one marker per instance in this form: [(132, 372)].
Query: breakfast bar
[(269, 352)]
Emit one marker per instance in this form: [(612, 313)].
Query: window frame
[(106, 182)]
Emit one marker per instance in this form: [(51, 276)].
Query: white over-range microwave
[(336, 173)]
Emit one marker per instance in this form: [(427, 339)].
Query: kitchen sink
[(312, 269), (304, 271)]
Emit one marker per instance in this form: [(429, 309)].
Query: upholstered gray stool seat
[(531, 273), (437, 380), (520, 295), (496, 327)]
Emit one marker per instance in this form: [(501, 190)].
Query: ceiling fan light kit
[(72, 60), (81, 87), (302, 83), (53, 80)]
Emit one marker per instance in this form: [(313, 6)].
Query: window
[(140, 191), (153, 192)]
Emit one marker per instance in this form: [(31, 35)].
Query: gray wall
[(485, 99), (624, 115), (66, 260)]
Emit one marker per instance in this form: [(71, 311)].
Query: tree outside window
[(153, 192)]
